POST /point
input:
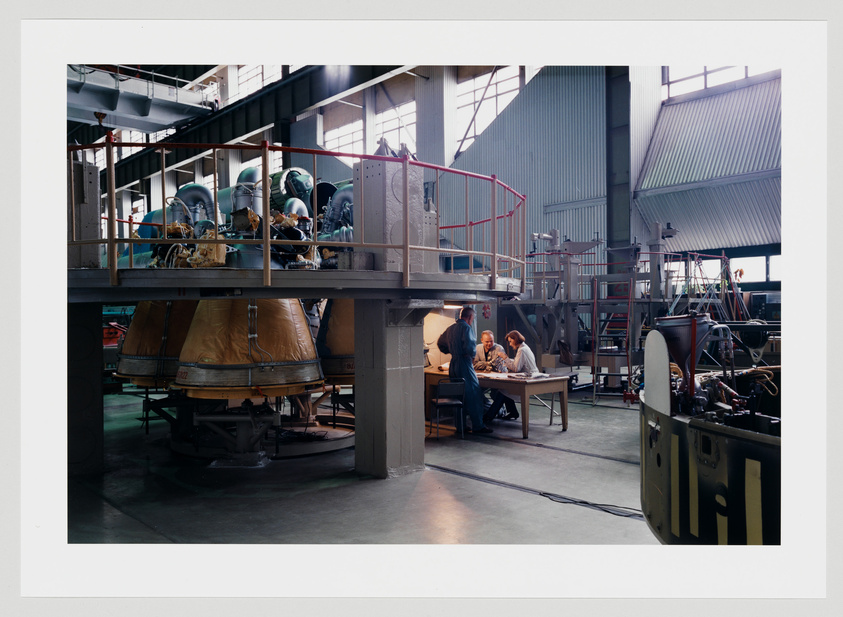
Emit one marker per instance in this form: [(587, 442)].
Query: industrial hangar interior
[(253, 334)]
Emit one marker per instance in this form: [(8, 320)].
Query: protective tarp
[(335, 341), (248, 342), (155, 337)]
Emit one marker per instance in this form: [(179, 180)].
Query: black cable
[(568, 450), (622, 511), (609, 509)]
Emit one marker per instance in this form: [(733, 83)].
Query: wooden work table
[(523, 387)]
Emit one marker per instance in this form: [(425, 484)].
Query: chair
[(449, 395)]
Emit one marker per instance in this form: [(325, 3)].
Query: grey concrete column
[(308, 133), (124, 209), (370, 143), (228, 167), (85, 437), (436, 116), (389, 388)]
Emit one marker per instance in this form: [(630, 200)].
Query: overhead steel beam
[(128, 102), (277, 104)]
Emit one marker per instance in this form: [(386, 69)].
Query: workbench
[(525, 387)]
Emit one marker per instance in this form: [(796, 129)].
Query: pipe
[(112, 210)]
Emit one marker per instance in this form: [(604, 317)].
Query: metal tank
[(335, 340), (150, 352), (245, 348)]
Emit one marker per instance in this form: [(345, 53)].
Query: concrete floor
[(485, 489)]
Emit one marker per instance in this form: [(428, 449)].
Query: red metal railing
[(506, 244)]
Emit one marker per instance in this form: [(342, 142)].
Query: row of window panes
[(254, 77), (501, 91), (754, 269), (349, 138), (685, 79), (388, 126)]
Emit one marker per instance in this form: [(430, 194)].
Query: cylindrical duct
[(198, 199), (150, 352), (335, 341), (248, 348)]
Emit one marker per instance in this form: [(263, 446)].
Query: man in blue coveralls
[(463, 345)]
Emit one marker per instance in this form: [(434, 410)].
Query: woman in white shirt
[(524, 362)]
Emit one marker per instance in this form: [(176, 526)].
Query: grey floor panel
[(485, 489)]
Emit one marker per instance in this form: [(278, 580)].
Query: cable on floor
[(622, 511), (568, 450)]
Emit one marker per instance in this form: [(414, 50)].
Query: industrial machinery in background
[(580, 313), (228, 368), (710, 440)]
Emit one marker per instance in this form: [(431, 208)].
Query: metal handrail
[(513, 256)]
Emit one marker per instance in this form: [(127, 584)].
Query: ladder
[(600, 328)]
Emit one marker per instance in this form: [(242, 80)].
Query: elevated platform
[(92, 285)]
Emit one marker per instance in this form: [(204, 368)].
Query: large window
[(684, 79), (253, 77), (481, 99), (348, 138), (398, 126)]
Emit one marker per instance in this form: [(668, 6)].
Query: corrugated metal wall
[(728, 134), (550, 144), (720, 216), (587, 220), (713, 169), (436, 102)]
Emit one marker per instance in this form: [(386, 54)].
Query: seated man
[(488, 359), (488, 353), (524, 362)]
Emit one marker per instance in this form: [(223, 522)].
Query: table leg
[(525, 413), (563, 402)]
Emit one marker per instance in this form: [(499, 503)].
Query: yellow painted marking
[(693, 493), (674, 485), (752, 481), (722, 521)]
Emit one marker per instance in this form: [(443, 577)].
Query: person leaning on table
[(487, 358), (524, 362)]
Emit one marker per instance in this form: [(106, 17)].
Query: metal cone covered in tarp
[(335, 341), (150, 352), (248, 348)]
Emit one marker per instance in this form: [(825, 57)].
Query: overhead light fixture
[(452, 306)]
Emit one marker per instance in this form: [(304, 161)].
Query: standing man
[(463, 345)]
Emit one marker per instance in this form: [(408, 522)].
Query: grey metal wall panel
[(436, 101), (581, 223), (724, 215), (645, 101), (717, 136), (549, 143)]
